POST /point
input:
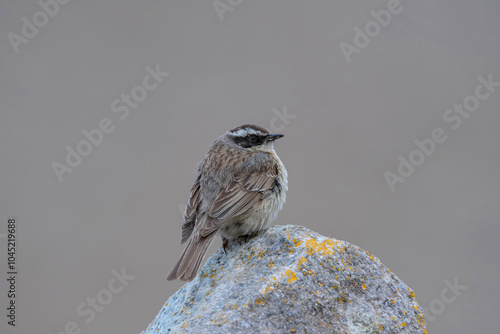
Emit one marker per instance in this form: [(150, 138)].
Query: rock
[(290, 279)]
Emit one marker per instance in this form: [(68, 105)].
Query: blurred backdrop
[(390, 111)]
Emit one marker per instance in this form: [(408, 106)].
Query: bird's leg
[(225, 243), (250, 236)]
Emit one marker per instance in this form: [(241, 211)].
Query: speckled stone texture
[(290, 280)]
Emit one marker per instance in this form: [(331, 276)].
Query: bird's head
[(252, 137)]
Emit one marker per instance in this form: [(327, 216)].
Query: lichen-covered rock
[(289, 280)]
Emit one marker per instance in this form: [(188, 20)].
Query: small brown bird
[(240, 188)]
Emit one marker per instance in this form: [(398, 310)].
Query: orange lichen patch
[(261, 254), (302, 260), (343, 299), (221, 319), (267, 289), (403, 324), (259, 301), (370, 255), (291, 276), (297, 243), (324, 248), (363, 286), (271, 265), (412, 294), (381, 327)]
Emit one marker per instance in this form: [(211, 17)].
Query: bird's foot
[(225, 244)]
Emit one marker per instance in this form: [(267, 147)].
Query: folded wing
[(238, 198)]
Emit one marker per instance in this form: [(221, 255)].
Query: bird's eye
[(253, 138)]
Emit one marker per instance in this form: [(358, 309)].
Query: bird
[(240, 187)]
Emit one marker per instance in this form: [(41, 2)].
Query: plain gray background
[(120, 207)]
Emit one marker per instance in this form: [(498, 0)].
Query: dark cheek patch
[(246, 142), (260, 141), (242, 142)]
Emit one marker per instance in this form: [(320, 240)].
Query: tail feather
[(187, 266)]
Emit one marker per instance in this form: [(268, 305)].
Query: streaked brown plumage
[(239, 190)]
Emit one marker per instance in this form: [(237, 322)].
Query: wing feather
[(191, 211), (237, 198)]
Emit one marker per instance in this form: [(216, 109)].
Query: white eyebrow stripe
[(247, 131)]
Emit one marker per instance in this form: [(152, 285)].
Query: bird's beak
[(273, 137)]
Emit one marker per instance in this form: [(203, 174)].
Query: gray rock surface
[(291, 280)]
